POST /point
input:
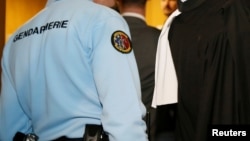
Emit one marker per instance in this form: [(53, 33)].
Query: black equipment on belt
[(92, 133), (25, 137)]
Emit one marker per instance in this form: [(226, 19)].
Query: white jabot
[(166, 85)]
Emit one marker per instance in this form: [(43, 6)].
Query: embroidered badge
[(121, 42)]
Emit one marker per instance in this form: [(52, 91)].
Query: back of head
[(133, 2)]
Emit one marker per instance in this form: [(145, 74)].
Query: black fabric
[(64, 138), (144, 42), (188, 5), (166, 118), (19, 136), (211, 51)]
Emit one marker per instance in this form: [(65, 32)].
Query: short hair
[(134, 2)]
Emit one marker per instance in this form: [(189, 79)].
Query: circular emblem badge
[(121, 42)]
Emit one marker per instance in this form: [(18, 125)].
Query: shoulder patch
[(121, 42)]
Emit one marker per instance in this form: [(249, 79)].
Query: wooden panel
[(154, 14), (19, 11)]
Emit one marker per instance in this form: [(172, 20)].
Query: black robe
[(210, 45)]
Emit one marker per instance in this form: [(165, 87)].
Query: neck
[(133, 9)]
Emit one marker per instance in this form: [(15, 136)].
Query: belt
[(92, 133), (32, 137), (64, 138)]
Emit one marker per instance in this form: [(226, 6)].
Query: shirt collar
[(132, 14), (52, 1)]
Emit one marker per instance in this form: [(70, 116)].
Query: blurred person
[(202, 65), (167, 7), (144, 42), (109, 3), (68, 68)]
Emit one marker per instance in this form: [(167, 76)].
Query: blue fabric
[(61, 71)]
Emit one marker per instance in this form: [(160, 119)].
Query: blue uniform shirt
[(66, 67)]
